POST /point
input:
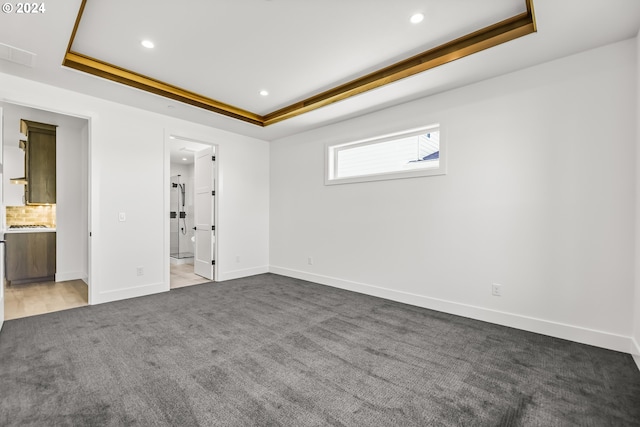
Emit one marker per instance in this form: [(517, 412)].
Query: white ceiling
[(229, 50), (183, 150)]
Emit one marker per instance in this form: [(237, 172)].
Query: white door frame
[(172, 135)]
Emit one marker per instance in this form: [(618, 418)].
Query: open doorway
[(190, 241), (52, 232)]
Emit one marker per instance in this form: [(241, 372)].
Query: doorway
[(67, 218), (188, 244)]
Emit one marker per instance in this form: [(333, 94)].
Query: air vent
[(19, 56)]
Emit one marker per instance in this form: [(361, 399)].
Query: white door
[(1, 225), (203, 183)]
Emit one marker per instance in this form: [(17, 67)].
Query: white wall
[(539, 197), (636, 334), (13, 194), (129, 170), (85, 202), (71, 203)]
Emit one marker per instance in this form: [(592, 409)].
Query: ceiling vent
[(19, 56)]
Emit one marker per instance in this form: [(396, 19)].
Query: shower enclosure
[(180, 231)]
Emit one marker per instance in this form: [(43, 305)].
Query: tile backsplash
[(31, 215)]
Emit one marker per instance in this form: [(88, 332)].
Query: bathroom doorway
[(182, 212)]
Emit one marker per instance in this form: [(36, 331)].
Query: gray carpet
[(270, 350)]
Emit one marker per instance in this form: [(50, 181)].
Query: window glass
[(413, 153)]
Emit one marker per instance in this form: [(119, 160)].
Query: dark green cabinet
[(40, 162)]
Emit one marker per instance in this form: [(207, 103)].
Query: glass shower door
[(180, 232), (174, 221)]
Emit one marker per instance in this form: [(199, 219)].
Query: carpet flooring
[(270, 350)]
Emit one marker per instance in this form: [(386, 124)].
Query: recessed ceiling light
[(417, 18), (184, 158), (264, 93), (147, 43)]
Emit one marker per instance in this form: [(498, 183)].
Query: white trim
[(239, 274), (166, 177), (635, 351), (554, 329), (126, 293), (72, 275)]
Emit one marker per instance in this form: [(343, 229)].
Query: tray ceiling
[(218, 55)]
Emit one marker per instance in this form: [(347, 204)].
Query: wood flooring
[(182, 275), (31, 299)]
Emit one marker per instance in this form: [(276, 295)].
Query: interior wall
[(127, 174), (539, 197), (85, 202), (71, 236), (13, 195)]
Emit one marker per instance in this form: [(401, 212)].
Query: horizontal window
[(413, 153)]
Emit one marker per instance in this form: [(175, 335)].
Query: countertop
[(29, 230)]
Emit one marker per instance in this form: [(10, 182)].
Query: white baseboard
[(238, 274), (72, 275), (559, 330), (635, 351), (120, 294)]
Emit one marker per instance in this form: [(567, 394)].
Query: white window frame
[(332, 150)]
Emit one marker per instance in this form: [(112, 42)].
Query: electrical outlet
[(122, 217), (496, 290), (237, 258), (140, 271), (310, 261)]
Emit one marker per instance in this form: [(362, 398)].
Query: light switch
[(122, 217)]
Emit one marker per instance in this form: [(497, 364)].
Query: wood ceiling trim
[(488, 37), (485, 38), (112, 72)]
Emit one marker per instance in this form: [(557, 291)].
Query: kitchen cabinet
[(40, 162), (30, 257)]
